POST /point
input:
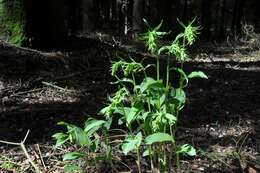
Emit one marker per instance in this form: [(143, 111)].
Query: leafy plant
[(87, 140), (149, 108)]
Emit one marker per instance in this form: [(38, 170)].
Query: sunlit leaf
[(73, 156), (158, 137), (132, 143), (150, 83), (198, 74), (92, 125), (61, 139), (187, 149), (72, 168)]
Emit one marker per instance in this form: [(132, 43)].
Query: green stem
[(178, 162), (159, 156), (151, 158), (133, 77), (168, 71), (158, 67), (138, 161), (109, 157), (164, 158), (171, 149)]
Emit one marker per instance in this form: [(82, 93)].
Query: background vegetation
[(12, 21)]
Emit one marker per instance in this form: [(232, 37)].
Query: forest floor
[(39, 89)]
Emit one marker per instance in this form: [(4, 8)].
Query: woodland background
[(40, 23)]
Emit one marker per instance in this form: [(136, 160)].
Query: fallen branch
[(21, 144), (56, 87)]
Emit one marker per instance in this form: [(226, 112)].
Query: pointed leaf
[(131, 114), (171, 118), (197, 74), (158, 137), (132, 143), (187, 149), (72, 169), (80, 137), (61, 139), (150, 83), (92, 125), (73, 156)]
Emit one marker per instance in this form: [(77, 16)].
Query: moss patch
[(12, 21)]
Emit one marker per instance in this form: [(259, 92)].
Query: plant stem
[(109, 157), (164, 157), (158, 67), (168, 71), (138, 161), (171, 149), (151, 157), (159, 163), (178, 162)]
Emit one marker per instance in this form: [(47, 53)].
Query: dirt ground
[(43, 88)]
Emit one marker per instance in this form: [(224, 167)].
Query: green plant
[(150, 108), (87, 141)]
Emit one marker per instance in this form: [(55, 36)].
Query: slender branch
[(22, 146)]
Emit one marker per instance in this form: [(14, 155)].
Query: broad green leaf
[(95, 145), (76, 134), (197, 74), (72, 168), (131, 114), (171, 118), (162, 99), (108, 123), (61, 139), (158, 137), (73, 156), (187, 149), (80, 137), (184, 76), (179, 95), (92, 125), (150, 83), (163, 49), (147, 153), (132, 143), (67, 125)]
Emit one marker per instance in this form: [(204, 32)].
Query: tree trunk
[(55, 22), (45, 22), (88, 15), (222, 25), (73, 16), (237, 15), (206, 18), (164, 11), (138, 15)]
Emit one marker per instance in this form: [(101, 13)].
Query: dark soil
[(73, 84)]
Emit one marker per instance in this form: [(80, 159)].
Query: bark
[(88, 15), (206, 18), (138, 15), (165, 13), (222, 24), (45, 22), (237, 15)]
